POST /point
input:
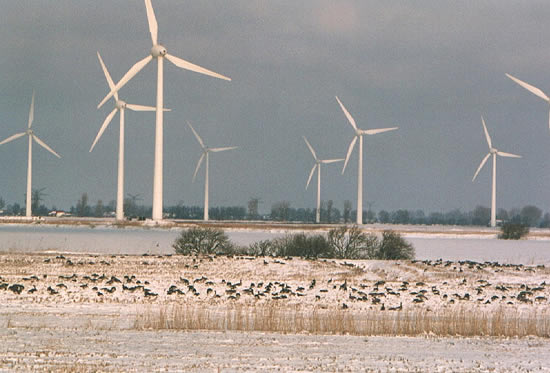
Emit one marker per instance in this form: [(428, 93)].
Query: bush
[(394, 247), (308, 246), (203, 241), (351, 243), (513, 231), (261, 248)]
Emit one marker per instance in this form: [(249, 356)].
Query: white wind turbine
[(317, 166), (533, 90), (494, 152), (359, 134), (205, 152), (29, 132), (120, 106), (159, 52)]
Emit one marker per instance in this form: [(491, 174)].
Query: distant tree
[(111, 207), (384, 216), (347, 211), (2, 203), (371, 216), (545, 223), (418, 217), (530, 215), (99, 209), (37, 196), (400, 217), (436, 218), (14, 209), (330, 204), (515, 215), (253, 205), (280, 211), (82, 208), (481, 215), (502, 215)]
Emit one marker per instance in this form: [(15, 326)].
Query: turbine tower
[(494, 152), (205, 152), (317, 166), (120, 106), (159, 52), (29, 132), (359, 133), (533, 90)]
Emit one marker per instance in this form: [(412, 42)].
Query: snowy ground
[(79, 312)]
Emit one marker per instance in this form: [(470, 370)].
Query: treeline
[(529, 215)]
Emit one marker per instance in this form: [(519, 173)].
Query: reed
[(296, 319)]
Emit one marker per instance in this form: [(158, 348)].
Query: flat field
[(81, 312)]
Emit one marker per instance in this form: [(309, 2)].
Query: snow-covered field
[(81, 312)]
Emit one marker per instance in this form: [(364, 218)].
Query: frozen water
[(112, 240)]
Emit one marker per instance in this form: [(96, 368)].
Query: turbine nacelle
[(120, 104), (29, 132), (158, 50), (493, 151)]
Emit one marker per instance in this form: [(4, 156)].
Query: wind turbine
[(29, 132), (494, 152), (120, 106), (159, 52), (317, 166), (205, 152), (533, 90), (359, 133)]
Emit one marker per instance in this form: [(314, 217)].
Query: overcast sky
[(432, 68)]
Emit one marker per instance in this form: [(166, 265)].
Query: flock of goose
[(461, 282)]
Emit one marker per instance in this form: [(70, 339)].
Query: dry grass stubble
[(296, 319)]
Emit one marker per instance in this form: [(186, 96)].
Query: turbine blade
[(153, 25), (327, 161), (217, 150), (107, 76), (129, 75), (189, 66), (348, 115), (311, 174), (31, 111), (198, 166), (11, 138), (503, 154), (378, 130), (310, 148), (529, 87), (142, 108), (196, 135), (350, 149), (104, 127), (43, 144), (481, 165), (489, 142)]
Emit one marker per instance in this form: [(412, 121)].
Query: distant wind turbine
[(533, 90), (120, 106), (359, 135), (494, 152), (317, 166), (29, 132), (205, 152), (159, 52)]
